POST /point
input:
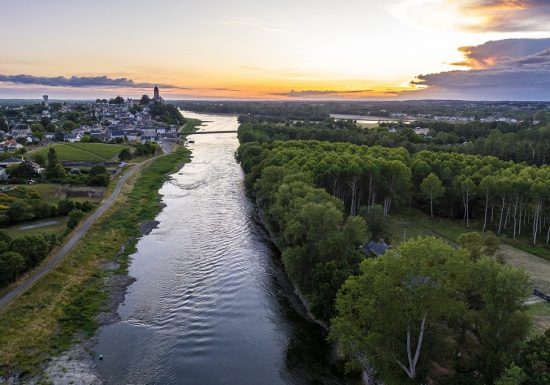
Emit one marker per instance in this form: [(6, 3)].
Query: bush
[(75, 216), (11, 265), (100, 180)]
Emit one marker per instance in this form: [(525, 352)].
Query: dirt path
[(73, 239), (538, 268)]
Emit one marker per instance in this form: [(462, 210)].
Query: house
[(132, 135), (116, 134), (149, 131), (72, 138), (21, 131), (160, 130), (3, 174), (148, 138), (421, 131), (10, 145), (375, 248), (10, 162)]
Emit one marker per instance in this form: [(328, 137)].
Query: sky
[(288, 49)]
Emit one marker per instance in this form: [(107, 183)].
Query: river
[(210, 304)]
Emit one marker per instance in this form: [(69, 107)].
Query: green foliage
[(513, 375), (377, 222), (75, 217), (478, 244), (445, 302), (534, 360), (166, 113), (11, 265), (433, 188), (125, 154)]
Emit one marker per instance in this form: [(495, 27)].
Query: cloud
[(509, 78), (475, 15), (506, 15), (500, 52), (78, 81), (319, 93)]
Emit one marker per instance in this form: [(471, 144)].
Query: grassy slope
[(95, 152), (46, 319), (191, 125)]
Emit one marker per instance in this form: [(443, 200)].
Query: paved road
[(74, 238)]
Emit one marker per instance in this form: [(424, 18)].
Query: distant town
[(107, 121)]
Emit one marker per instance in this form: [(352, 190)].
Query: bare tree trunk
[(413, 361), (501, 214), (486, 207)]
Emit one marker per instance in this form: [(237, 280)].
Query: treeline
[(530, 145), (21, 254), (423, 313), (507, 197), (276, 111)]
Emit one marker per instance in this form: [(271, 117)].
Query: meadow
[(92, 152)]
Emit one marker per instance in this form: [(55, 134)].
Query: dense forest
[(424, 312)]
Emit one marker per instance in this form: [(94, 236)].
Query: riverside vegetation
[(424, 312), (63, 306)]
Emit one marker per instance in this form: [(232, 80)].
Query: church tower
[(156, 93)]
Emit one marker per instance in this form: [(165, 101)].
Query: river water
[(211, 304)]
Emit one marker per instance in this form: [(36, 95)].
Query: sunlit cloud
[(476, 15), (508, 78), (500, 52)]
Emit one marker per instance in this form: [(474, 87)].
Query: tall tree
[(433, 188)]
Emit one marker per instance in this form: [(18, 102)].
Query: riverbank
[(67, 305)]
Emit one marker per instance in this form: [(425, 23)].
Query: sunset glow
[(247, 49)]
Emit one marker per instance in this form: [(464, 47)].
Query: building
[(116, 134), (72, 138), (10, 145), (375, 249), (156, 96), (21, 131), (10, 162), (46, 104)]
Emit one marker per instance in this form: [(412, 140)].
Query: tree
[(125, 155), (144, 100), (11, 265), (513, 375), (377, 222), (411, 310), (392, 311), (534, 360), (24, 170), (54, 169), (433, 188), (75, 216)]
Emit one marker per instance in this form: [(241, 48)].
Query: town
[(106, 121)]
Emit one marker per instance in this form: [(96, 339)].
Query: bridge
[(208, 132)]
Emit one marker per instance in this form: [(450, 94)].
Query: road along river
[(211, 304)]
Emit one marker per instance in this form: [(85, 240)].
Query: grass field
[(93, 152), (63, 305), (541, 316), (57, 228)]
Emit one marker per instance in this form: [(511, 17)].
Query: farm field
[(92, 152)]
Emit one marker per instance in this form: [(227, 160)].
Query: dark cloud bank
[(77, 81), (515, 69)]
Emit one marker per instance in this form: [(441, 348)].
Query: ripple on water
[(208, 306)]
